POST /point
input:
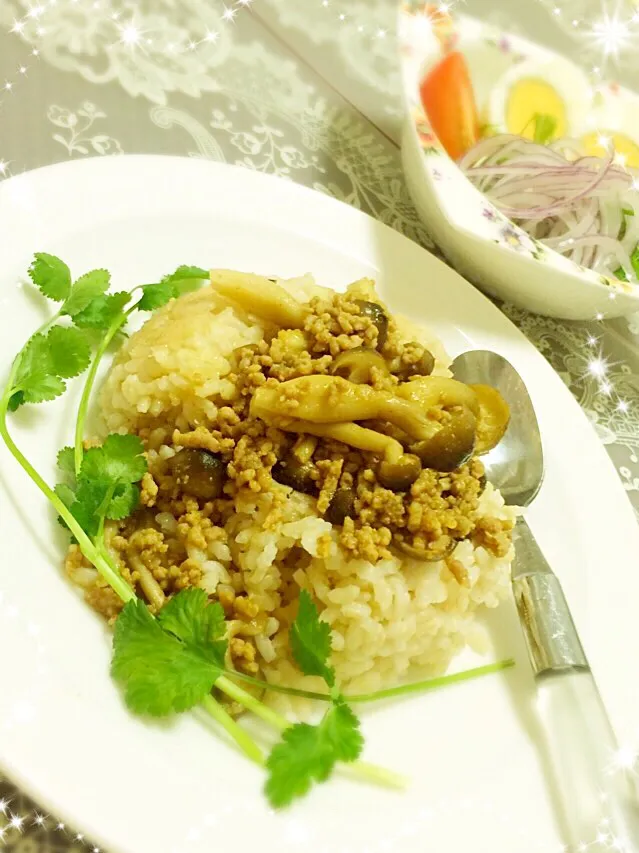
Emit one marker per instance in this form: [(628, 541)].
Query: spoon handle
[(600, 805)]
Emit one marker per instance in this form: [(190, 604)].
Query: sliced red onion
[(574, 204)]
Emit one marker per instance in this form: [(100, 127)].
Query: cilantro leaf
[(155, 296), (42, 388), (69, 351), (85, 290), (105, 486), (184, 272), (184, 280), (35, 380), (191, 618), (33, 358), (118, 460), (125, 500), (66, 494), (101, 311), (311, 641), (15, 401), (308, 754), (88, 506), (160, 673), (45, 361), (66, 461), (51, 275)]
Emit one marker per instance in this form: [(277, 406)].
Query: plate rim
[(49, 174)]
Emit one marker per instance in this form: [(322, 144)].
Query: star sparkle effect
[(601, 373), (606, 31), (340, 11), (127, 34)]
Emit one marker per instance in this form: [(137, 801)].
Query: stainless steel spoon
[(600, 802)]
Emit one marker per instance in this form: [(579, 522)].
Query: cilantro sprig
[(171, 663), (308, 754), (87, 317)]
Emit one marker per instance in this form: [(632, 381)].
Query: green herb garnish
[(308, 753), (620, 273), (545, 128)]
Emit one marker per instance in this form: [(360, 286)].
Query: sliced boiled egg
[(547, 85), (613, 123)]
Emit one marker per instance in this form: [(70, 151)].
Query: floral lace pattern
[(150, 47), (76, 139)]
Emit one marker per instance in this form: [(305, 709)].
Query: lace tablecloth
[(305, 90)]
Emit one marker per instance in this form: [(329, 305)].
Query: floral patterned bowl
[(486, 247)]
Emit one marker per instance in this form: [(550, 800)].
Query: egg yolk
[(598, 145), (529, 97)]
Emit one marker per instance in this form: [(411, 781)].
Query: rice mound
[(386, 618)]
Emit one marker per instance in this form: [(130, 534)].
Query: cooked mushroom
[(399, 476), (422, 364), (357, 365), (452, 445), (150, 587), (494, 417), (305, 448), (352, 434), (296, 473), (331, 399), (342, 506), (260, 297), (428, 555), (379, 317), (199, 473), (433, 391)]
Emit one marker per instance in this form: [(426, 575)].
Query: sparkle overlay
[(607, 32), (124, 28)]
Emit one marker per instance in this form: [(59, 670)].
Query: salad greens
[(634, 260), (174, 661), (545, 127)]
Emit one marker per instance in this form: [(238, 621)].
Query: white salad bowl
[(479, 241)]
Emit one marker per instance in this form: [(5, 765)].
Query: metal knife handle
[(600, 803), (550, 633)]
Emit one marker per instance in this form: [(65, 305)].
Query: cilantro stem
[(404, 689), (234, 691), (361, 769), (432, 683), (239, 735), (83, 408), (278, 688), (364, 770), (99, 537), (87, 547)]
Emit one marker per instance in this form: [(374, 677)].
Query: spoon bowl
[(516, 465)]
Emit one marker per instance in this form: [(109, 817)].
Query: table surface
[(306, 90)]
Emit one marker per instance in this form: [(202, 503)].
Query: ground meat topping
[(177, 539)]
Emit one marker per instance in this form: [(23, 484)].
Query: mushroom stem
[(331, 399), (432, 391), (260, 297), (150, 587), (305, 448), (351, 434)]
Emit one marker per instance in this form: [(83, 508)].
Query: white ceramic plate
[(141, 788), (476, 237)]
